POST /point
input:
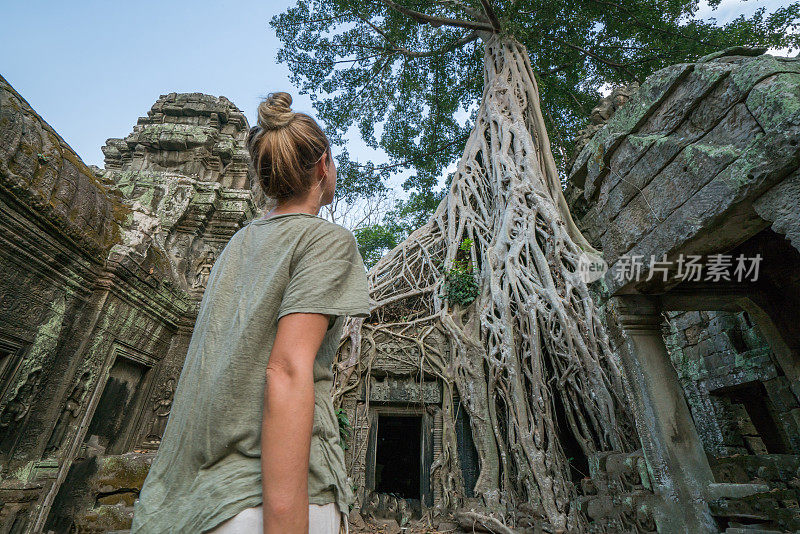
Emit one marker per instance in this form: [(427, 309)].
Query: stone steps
[(617, 496), (768, 500), (751, 530)]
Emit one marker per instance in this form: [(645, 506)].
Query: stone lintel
[(404, 390)]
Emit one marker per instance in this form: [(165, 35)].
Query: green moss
[(739, 173), (752, 72), (644, 141), (695, 153), (24, 472), (776, 102), (647, 98), (123, 472), (103, 518)]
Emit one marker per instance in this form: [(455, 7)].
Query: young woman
[(252, 442)]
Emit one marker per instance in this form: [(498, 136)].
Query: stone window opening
[(759, 428), (10, 358), (747, 321)]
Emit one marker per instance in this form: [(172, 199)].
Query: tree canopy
[(408, 74)]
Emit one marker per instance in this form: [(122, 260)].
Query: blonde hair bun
[(285, 148), (276, 112)]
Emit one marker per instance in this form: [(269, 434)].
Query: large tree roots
[(529, 358)]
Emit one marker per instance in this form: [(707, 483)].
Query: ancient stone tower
[(104, 271)]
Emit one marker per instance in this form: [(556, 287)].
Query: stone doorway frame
[(118, 349), (674, 453), (426, 445)]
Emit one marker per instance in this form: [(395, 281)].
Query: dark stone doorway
[(108, 433), (467, 453), (398, 456), (113, 413)]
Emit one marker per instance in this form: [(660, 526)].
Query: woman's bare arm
[(288, 420)]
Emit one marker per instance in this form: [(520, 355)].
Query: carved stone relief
[(161, 411), (15, 411), (68, 415)]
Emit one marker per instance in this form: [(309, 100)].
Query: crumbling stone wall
[(104, 270), (703, 159), (723, 362), (714, 352)]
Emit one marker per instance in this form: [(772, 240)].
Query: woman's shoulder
[(297, 231), (313, 227), (332, 229)]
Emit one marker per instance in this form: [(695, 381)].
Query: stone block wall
[(703, 160), (729, 377), (693, 149), (103, 271), (637, 186)]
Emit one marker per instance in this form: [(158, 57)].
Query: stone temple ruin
[(704, 161), (105, 268), (104, 271)]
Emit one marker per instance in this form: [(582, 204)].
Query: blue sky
[(91, 68)]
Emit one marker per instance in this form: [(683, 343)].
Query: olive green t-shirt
[(208, 466)]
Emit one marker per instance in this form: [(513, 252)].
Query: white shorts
[(322, 519)]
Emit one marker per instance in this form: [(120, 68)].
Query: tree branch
[(468, 10), (633, 16), (324, 19), (617, 66), (371, 77), (412, 160), (491, 15), (437, 21), (428, 53), (472, 36)]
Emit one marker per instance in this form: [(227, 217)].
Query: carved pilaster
[(672, 448)]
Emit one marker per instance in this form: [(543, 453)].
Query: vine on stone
[(460, 283)]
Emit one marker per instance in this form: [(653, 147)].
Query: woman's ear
[(321, 168), (324, 165)]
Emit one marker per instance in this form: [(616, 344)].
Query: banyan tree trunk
[(529, 357)]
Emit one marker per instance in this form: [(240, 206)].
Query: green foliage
[(345, 428), (406, 216), (412, 87), (460, 284), (356, 181), (375, 241)]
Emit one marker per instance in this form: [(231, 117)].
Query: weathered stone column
[(672, 448)]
